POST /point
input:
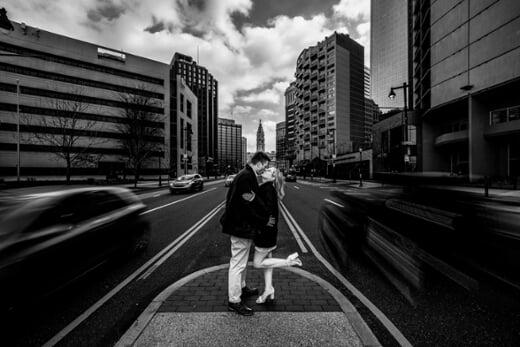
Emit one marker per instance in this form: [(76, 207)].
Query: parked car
[(229, 180), (185, 183), (48, 240)]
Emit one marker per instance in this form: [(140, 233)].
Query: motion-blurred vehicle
[(229, 180), (290, 176), (48, 240), (412, 235), (186, 183)]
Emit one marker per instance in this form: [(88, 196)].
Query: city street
[(186, 237)]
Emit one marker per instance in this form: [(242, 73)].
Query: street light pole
[(360, 162), (404, 122), (18, 130)]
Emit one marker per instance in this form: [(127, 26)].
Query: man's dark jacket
[(242, 218)]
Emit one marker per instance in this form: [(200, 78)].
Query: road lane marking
[(293, 231), (334, 202), (296, 187), (85, 315), (392, 329), (177, 201), (181, 240), (156, 195)]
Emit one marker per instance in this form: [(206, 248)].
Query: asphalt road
[(443, 314)]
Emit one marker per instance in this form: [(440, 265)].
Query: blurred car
[(185, 183), (290, 177), (229, 180), (48, 240), (413, 235)]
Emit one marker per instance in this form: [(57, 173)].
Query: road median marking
[(293, 230), (144, 268), (392, 329), (181, 240)]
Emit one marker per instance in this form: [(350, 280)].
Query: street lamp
[(360, 162), (17, 105), (404, 121)]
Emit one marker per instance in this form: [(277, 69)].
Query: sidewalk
[(193, 311)]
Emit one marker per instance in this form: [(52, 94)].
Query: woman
[(271, 189)]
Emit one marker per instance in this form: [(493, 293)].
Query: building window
[(182, 133), (188, 108), (182, 103)]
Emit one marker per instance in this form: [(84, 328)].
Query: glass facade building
[(388, 51)]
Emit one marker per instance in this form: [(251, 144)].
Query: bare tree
[(139, 130), (64, 127)]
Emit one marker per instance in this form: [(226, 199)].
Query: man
[(244, 214)]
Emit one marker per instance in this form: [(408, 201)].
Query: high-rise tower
[(260, 140), (205, 88)]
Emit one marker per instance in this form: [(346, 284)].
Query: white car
[(229, 180)]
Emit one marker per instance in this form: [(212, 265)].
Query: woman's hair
[(279, 184)]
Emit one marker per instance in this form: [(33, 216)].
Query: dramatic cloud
[(254, 62)]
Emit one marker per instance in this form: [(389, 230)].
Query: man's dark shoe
[(247, 292), (240, 308)]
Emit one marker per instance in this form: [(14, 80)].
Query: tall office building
[(260, 139), (77, 88), (186, 153), (330, 107), (466, 82), (205, 88), (281, 146), (244, 151), (367, 82), (290, 101), (388, 51), (229, 145)]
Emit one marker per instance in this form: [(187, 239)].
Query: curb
[(364, 333)]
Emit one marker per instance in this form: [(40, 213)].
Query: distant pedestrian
[(271, 191), (245, 213)]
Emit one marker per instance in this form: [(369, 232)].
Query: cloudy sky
[(250, 46)]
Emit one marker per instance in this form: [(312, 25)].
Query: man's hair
[(260, 156)]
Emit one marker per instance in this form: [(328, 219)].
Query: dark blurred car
[(410, 234), (186, 183), (290, 176), (48, 240), (229, 180)]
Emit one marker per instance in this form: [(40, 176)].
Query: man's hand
[(248, 196), (271, 222)]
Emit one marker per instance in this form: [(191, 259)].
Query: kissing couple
[(251, 216)]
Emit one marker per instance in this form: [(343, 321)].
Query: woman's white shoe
[(267, 296), (293, 260)]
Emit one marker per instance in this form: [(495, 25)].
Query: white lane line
[(293, 231), (177, 201), (182, 240), (156, 195), (296, 187), (334, 202), (85, 315), (392, 329)]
